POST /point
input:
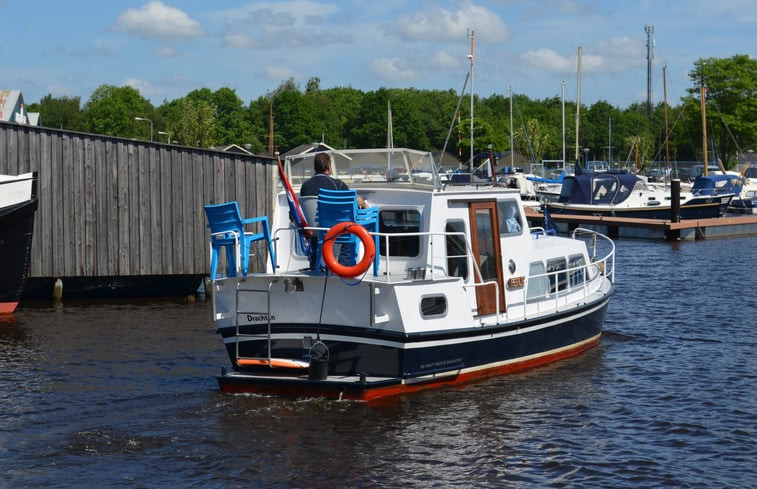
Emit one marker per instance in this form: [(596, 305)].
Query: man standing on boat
[(323, 179)]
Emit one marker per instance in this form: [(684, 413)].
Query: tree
[(196, 123), (731, 99), (232, 125), (60, 112), (532, 140), (111, 110)]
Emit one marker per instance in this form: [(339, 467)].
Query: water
[(123, 394)]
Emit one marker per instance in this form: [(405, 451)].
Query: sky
[(167, 48)]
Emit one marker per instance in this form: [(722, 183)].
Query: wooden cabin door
[(486, 251)]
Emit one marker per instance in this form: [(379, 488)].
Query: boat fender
[(328, 249)]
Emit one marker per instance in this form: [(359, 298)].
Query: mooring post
[(675, 208), (675, 200)]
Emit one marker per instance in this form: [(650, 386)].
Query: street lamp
[(586, 158), (148, 120), (167, 135)]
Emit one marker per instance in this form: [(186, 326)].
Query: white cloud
[(242, 41), (621, 53), (392, 69), (611, 55), (144, 87), (548, 60), (300, 9), (281, 73), (283, 24), (445, 61), (167, 52), (438, 24), (157, 21)]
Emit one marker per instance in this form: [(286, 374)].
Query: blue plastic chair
[(335, 206), (227, 232)]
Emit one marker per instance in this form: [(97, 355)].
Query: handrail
[(588, 283), (385, 236)]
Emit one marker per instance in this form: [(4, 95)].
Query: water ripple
[(122, 395)]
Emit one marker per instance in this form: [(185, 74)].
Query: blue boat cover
[(717, 184), (597, 188)]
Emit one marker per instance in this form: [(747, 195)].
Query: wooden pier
[(624, 227)]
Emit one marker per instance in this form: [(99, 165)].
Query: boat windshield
[(392, 165)]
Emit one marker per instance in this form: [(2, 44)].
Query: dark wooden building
[(124, 216)]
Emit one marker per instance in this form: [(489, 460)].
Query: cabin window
[(603, 190), (457, 256), (537, 282), (400, 221), (577, 266), (434, 305), (558, 277), (509, 218)]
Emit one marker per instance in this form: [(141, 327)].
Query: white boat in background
[(627, 195), (746, 201), (18, 206), (457, 289)]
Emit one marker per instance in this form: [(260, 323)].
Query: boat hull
[(371, 365), (704, 208), (16, 228)]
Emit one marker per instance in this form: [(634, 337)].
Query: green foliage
[(60, 112), (346, 117), (196, 123), (111, 111), (731, 102)]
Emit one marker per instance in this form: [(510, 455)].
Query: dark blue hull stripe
[(354, 351)]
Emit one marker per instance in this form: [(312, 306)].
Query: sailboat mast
[(512, 138), (472, 57), (578, 99), (563, 125), (609, 139), (389, 133), (665, 105), (703, 90), (270, 126)]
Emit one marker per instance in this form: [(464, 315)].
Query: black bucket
[(319, 361), (319, 369)]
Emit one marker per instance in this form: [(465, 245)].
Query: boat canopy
[(400, 166), (599, 188), (717, 184)]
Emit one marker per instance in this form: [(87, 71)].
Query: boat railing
[(391, 275), (570, 285), (599, 243), (606, 263), (432, 270)]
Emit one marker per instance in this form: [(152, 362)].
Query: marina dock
[(623, 227)]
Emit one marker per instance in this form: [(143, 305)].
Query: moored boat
[(627, 195), (746, 201), (18, 205), (449, 285)]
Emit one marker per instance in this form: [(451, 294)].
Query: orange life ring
[(328, 249)]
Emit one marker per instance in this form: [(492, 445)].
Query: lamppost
[(167, 135), (586, 158), (148, 120)]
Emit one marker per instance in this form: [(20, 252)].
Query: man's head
[(321, 163)]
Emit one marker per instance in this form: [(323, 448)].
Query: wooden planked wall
[(119, 207)]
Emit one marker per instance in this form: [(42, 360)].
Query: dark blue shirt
[(318, 181)]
